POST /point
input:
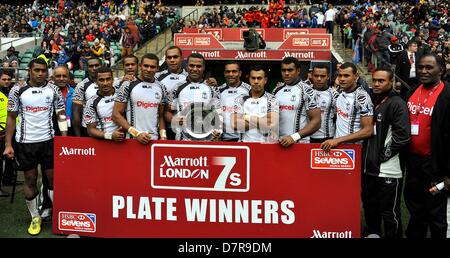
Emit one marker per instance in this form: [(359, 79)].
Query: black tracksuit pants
[(381, 202), (426, 210), (7, 174)]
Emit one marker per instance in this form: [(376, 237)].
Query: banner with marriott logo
[(268, 34), (263, 55), (195, 189), (305, 45)]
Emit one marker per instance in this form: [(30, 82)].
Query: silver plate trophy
[(201, 120)]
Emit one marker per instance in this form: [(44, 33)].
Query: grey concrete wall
[(21, 45), (201, 9)]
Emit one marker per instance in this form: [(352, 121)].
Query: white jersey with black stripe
[(187, 93), (99, 111), (350, 107), (228, 96), (143, 100), (326, 100), (117, 83), (295, 100), (84, 91), (260, 107), (171, 80), (35, 107)]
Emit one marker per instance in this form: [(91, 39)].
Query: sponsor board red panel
[(268, 34), (308, 42), (263, 55), (179, 189), (196, 41)]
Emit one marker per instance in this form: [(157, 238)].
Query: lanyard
[(377, 106), (411, 58), (384, 99), (426, 99)]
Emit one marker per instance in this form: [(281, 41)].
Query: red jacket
[(248, 17), (134, 30), (258, 16), (90, 37), (128, 41), (265, 22)]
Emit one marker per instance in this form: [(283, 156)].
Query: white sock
[(50, 194), (32, 207)]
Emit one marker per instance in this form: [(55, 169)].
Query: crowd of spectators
[(380, 27), (78, 31), (249, 2), (378, 32), (383, 29), (274, 14)]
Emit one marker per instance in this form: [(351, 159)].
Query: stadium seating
[(116, 48), (25, 60), (79, 74), (29, 51), (28, 55), (169, 22)]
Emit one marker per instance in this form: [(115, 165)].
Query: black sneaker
[(47, 214), (3, 193), (8, 182), (11, 183)]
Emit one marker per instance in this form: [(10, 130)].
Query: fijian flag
[(61, 6), (355, 57)]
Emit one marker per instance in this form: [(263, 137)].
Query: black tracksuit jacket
[(392, 135)]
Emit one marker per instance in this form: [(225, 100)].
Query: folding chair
[(13, 193)]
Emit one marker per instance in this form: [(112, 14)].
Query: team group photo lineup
[(325, 82)]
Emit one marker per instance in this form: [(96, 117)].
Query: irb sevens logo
[(76, 221), (335, 159), (200, 167)]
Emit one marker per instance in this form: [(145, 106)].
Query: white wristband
[(162, 133), (440, 186), (107, 136), (133, 131), (62, 126), (296, 136)]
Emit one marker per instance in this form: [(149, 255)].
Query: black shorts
[(170, 133), (230, 140), (84, 132), (29, 155)]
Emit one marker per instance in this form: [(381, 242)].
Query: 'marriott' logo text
[(66, 151)]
